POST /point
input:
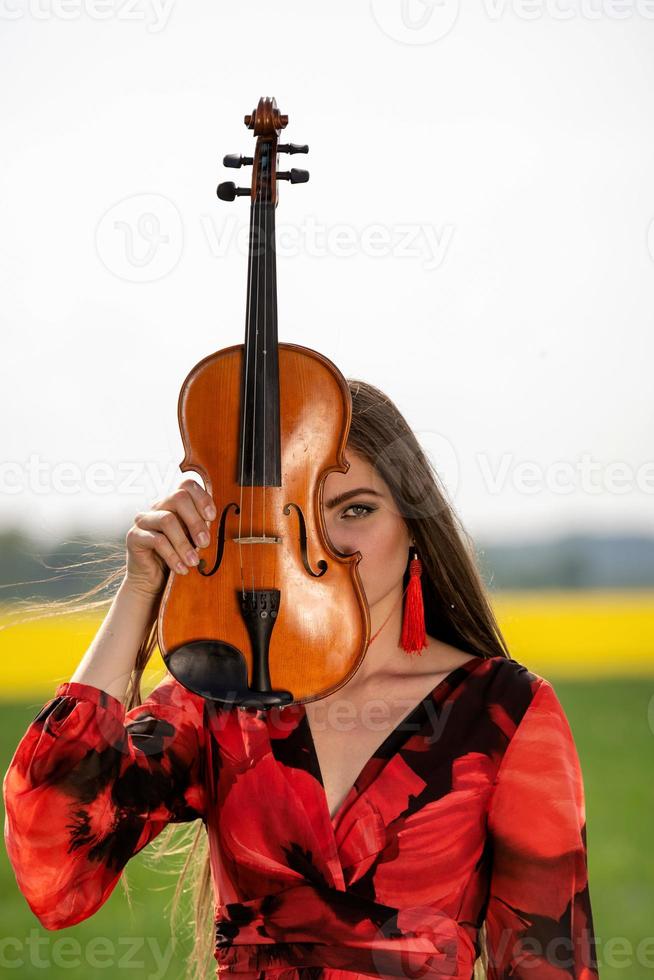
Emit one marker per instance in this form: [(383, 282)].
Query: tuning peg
[(235, 160), (292, 148), (228, 190), (295, 176)]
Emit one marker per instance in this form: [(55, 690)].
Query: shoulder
[(507, 690), (505, 675), (538, 780), (518, 701), (500, 682)]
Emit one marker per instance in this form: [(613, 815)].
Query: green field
[(118, 941), (613, 724)]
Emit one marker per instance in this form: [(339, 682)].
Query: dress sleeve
[(538, 920), (90, 784)]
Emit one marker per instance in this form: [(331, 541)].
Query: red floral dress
[(472, 809)]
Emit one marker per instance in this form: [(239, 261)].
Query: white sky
[(476, 239)]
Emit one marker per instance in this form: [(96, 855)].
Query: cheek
[(382, 540), (388, 555)]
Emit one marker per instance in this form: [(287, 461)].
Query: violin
[(272, 615)]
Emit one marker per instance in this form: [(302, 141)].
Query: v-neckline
[(448, 683)]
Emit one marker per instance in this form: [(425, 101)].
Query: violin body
[(316, 639)]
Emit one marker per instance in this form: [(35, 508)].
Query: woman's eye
[(365, 507)]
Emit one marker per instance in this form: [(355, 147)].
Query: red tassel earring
[(413, 621)]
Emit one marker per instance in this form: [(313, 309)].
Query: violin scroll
[(267, 122)]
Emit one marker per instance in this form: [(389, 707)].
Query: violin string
[(266, 211), (257, 320), (255, 222), (273, 311), (248, 321)]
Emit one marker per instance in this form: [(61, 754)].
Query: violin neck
[(260, 456)]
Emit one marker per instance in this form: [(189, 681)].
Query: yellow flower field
[(577, 634), (556, 634)]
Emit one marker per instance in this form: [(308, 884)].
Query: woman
[(426, 819)]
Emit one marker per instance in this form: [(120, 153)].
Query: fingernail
[(192, 558), (210, 512), (181, 568), (203, 539)]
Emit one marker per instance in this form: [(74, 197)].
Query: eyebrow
[(335, 501)]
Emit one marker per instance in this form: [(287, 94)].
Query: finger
[(167, 523), (138, 537), (183, 504), (203, 499)]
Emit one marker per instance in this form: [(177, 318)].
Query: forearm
[(109, 660)]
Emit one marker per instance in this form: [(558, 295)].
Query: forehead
[(360, 474)]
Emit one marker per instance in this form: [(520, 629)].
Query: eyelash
[(370, 510)]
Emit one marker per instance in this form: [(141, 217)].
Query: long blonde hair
[(457, 612)]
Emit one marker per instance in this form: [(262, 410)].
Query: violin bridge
[(269, 539)]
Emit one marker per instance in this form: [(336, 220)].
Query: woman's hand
[(167, 537)]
